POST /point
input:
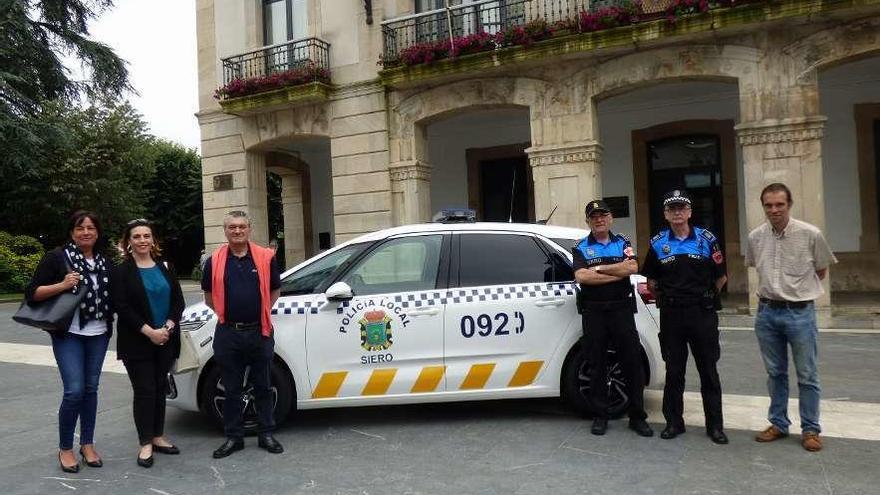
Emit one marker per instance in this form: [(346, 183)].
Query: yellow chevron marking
[(329, 384), (428, 379), (379, 382), (525, 373), (477, 376)]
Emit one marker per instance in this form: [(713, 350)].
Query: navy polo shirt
[(685, 267), (242, 286), (589, 252)]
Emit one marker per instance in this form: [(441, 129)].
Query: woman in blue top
[(149, 303)]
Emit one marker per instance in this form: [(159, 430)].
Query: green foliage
[(19, 257), (33, 33), (175, 201), (94, 161)]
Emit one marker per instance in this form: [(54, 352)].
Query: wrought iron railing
[(490, 16), (282, 57)]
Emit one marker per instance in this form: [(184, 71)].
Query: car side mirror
[(340, 291)]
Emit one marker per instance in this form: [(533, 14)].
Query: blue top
[(589, 252), (685, 267), (158, 294)]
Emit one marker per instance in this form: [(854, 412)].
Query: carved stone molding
[(785, 131), (409, 171), (556, 155)]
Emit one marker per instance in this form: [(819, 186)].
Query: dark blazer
[(133, 309), (51, 270)]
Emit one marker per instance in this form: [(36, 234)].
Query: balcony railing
[(308, 53), (491, 16)]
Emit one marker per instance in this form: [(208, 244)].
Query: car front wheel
[(576, 385), (214, 397)]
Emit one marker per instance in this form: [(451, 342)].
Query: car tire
[(213, 395), (576, 385)]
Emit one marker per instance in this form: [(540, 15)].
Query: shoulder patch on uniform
[(707, 235), (658, 236), (624, 237)]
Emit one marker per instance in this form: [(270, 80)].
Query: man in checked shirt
[(791, 257)]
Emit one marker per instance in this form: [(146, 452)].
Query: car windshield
[(307, 279), (564, 243)]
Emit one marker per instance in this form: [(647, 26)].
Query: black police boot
[(717, 435), (228, 447), (641, 427), (600, 426), (268, 442), (671, 431)]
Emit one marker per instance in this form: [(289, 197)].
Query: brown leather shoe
[(770, 434), (811, 442)]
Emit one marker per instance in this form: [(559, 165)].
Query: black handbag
[(52, 315)]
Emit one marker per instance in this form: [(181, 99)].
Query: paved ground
[(510, 447)]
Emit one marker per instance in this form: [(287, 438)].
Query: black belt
[(243, 326), (773, 303), (668, 302)]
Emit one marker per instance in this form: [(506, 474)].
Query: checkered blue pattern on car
[(296, 307), (467, 295), (202, 315)]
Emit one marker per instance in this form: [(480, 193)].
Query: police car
[(447, 311)]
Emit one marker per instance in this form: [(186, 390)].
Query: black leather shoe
[(641, 427), (146, 463), (600, 426), (671, 432), (228, 447), (718, 436), (167, 450), (268, 442), (94, 464), (68, 469)]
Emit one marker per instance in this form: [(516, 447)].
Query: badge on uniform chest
[(666, 249)]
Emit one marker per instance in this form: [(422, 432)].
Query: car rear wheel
[(576, 385), (214, 396)]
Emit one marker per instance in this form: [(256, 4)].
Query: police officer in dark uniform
[(603, 262), (685, 268)]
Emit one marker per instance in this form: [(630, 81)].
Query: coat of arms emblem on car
[(375, 331)]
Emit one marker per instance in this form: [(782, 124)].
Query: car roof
[(549, 231)]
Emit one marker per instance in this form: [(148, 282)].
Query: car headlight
[(192, 325)]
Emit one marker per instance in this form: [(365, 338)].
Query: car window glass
[(307, 279), (564, 243), (562, 271), (400, 265), (500, 259)]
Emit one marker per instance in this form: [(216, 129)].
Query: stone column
[(232, 179), (787, 151), (410, 192), (565, 176), (294, 217)]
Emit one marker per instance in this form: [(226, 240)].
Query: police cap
[(676, 196), (597, 205)]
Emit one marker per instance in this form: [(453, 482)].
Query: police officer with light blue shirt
[(603, 262), (685, 268)]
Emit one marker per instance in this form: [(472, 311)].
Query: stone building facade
[(721, 102)]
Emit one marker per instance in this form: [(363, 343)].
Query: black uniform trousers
[(236, 351), (614, 323), (697, 327), (149, 383)]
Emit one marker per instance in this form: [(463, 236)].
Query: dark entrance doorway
[(691, 162), (504, 192), (500, 186)]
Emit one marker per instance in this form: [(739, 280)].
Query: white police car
[(425, 313)]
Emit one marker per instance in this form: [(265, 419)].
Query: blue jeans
[(79, 361), (776, 329)]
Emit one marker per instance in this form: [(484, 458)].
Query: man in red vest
[(241, 281)]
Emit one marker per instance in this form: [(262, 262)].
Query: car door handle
[(549, 302), (424, 312)]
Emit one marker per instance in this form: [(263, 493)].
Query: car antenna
[(544, 222), (512, 190)]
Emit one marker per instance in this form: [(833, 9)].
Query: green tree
[(96, 161), (176, 202), (34, 34)]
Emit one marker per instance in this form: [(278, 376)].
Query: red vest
[(263, 259)]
